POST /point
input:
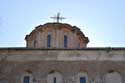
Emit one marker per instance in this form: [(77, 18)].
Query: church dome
[(56, 35)]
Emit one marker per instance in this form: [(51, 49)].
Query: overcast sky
[(103, 21)]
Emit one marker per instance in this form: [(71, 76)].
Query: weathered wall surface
[(38, 37), (38, 63), (30, 54)]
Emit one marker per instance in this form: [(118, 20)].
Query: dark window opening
[(82, 80), (65, 41), (26, 79), (49, 41), (34, 44), (54, 80)]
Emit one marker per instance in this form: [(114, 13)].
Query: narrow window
[(54, 80), (82, 80), (49, 41), (78, 45), (26, 79), (34, 44), (65, 41)]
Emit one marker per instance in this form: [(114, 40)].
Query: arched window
[(34, 45), (49, 41), (26, 78), (54, 77), (113, 77), (65, 41), (82, 77), (54, 80)]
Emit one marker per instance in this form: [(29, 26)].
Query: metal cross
[(58, 17)]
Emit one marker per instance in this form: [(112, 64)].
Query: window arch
[(113, 77), (48, 41), (65, 41), (82, 77), (54, 77), (26, 78), (34, 43)]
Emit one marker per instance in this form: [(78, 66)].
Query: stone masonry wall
[(38, 38), (39, 63)]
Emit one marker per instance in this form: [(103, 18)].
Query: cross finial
[(57, 17)]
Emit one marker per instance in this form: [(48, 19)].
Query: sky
[(102, 21)]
